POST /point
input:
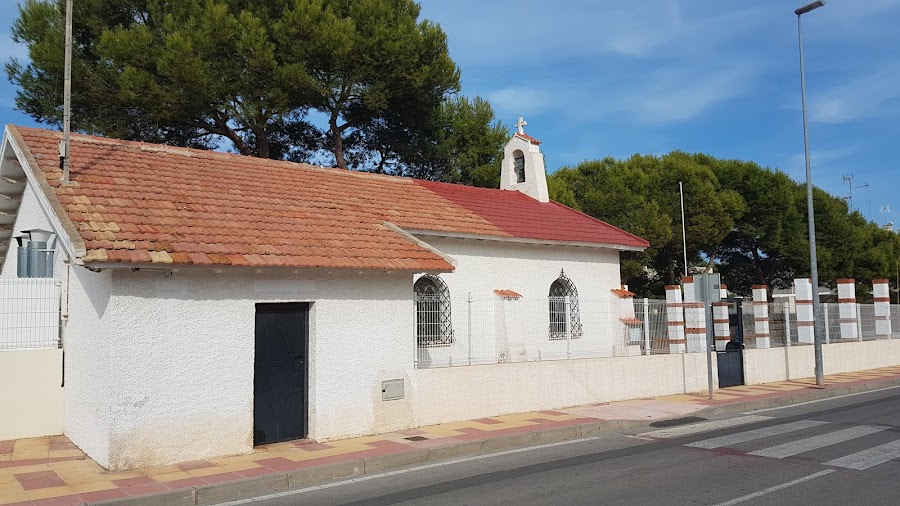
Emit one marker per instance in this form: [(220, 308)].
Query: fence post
[(646, 326), (469, 300), (827, 323), (787, 324), (858, 322), (568, 328)]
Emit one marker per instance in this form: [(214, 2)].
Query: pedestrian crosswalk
[(770, 441)]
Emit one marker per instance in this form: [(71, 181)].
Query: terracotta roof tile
[(139, 203)]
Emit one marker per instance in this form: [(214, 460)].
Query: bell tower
[(523, 165)]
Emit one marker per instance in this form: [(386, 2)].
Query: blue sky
[(601, 77)]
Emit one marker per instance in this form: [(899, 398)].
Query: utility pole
[(683, 228), (67, 97), (813, 263)]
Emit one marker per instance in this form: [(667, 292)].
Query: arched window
[(565, 320), (519, 160), (433, 324)]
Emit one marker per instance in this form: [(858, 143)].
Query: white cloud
[(875, 94)]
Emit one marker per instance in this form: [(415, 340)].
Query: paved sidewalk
[(52, 471)]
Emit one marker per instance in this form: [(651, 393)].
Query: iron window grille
[(564, 324), (433, 313)]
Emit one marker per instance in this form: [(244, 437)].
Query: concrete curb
[(303, 478)]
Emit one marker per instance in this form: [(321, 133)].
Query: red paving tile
[(134, 482), (487, 421), (39, 479), (153, 488), (333, 459), (6, 447), (190, 466), (66, 500), (102, 495), (222, 477), (23, 462)]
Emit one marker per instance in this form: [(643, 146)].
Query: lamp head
[(810, 7)]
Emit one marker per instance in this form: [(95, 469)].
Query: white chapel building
[(211, 302)]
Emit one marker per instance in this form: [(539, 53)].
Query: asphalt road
[(843, 451)]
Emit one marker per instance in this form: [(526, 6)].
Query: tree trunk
[(221, 128), (262, 142), (337, 141)]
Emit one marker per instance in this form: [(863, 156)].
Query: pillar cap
[(687, 279), (760, 287), (881, 281), (673, 287), (848, 281)]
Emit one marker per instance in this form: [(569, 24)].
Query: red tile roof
[(529, 138), (507, 294), (143, 203)]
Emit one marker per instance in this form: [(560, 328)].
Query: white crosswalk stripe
[(868, 458), (751, 435), (816, 442)]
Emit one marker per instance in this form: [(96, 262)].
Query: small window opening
[(519, 160)]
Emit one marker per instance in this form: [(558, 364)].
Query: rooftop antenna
[(67, 97), (885, 212), (848, 180)]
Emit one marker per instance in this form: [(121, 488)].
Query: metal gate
[(280, 372), (731, 361)]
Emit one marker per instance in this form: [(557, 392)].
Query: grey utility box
[(391, 390)]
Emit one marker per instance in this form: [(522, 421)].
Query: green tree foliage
[(467, 147), (194, 72), (743, 220)]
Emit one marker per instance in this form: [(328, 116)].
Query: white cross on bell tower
[(521, 125)]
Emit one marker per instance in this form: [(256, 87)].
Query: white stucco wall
[(796, 362), (31, 396), (181, 357), (86, 338), (463, 393)]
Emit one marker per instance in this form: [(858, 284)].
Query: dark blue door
[(280, 372)]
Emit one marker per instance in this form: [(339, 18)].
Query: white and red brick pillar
[(849, 318), (881, 296), (761, 316), (721, 325), (694, 317), (806, 323), (675, 317)]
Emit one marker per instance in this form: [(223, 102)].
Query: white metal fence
[(460, 331), (783, 328), (497, 330), (29, 313)]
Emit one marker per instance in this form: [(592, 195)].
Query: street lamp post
[(813, 264)]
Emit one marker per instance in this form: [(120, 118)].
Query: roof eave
[(526, 240), (49, 203), (177, 267)]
